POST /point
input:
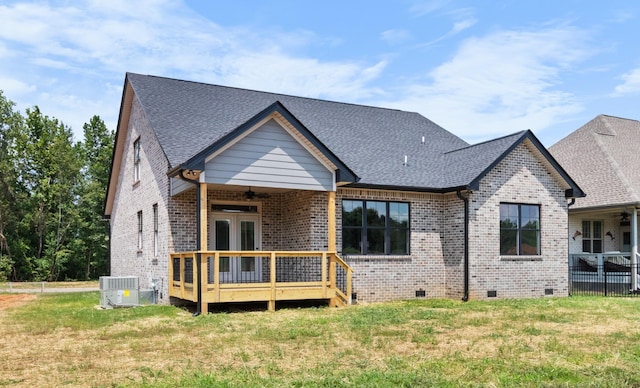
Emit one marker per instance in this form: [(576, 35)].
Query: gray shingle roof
[(603, 156), (189, 117)]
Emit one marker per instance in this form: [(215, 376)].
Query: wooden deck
[(276, 276)]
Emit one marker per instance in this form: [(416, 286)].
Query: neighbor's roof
[(603, 156), (188, 117)]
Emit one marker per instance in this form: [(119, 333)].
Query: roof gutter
[(198, 242), (465, 200)]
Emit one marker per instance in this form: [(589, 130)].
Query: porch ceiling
[(604, 211)]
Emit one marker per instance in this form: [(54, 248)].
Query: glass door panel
[(222, 242), (249, 266), (236, 232)]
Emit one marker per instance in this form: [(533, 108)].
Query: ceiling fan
[(625, 216), (250, 194)]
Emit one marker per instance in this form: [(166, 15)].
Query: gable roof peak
[(600, 154), (615, 117), (516, 134)]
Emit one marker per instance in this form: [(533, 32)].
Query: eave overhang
[(118, 146)]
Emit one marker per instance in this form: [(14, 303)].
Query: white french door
[(237, 232)]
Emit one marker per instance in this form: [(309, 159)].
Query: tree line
[(52, 192)]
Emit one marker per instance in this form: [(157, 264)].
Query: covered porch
[(207, 277), (265, 217), (605, 240), (253, 246)]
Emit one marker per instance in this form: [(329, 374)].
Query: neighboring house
[(604, 158), (307, 193)]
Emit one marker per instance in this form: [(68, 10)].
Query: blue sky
[(480, 69)]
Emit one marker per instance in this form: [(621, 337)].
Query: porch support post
[(271, 304), (203, 214), (202, 285), (634, 249), (331, 224)]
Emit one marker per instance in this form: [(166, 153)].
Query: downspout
[(634, 249), (465, 295), (573, 200), (109, 250), (198, 263)]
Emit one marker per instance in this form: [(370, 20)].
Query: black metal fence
[(607, 279)]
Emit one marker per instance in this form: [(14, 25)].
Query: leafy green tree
[(11, 193), (50, 167), (96, 153), (52, 194)]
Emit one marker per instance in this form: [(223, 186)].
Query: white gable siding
[(269, 157)]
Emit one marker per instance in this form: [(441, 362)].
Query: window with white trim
[(592, 236)]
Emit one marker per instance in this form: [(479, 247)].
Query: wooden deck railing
[(274, 276)]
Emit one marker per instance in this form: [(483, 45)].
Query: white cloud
[(71, 50), (503, 82), (425, 7), (13, 88), (298, 76), (631, 83), (462, 25), (395, 36)]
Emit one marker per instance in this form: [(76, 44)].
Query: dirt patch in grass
[(12, 300)]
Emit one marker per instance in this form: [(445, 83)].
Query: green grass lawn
[(58, 340)]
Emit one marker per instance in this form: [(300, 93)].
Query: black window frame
[(140, 231), (137, 156), (519, 230), (156, 227), (366, 227)]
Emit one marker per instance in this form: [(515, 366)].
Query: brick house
[(603, 157), (221, 194)]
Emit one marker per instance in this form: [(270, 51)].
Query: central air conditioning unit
[(119, 291)]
